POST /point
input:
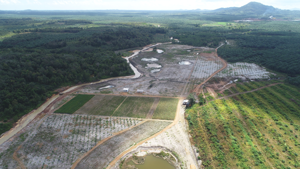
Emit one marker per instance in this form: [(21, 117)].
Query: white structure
[(140, 91), (125, 90), (185, 102)]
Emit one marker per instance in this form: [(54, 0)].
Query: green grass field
[(74, 104), (135, 107), (166, 109), (101, 105)]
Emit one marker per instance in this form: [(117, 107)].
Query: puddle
[(150, 59), (159, 51), (152, 162), (106, 87), (153, 65), (184, 63), (155, 70)]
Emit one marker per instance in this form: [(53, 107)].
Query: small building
[(186, 102), (140, 91), (125, 90)]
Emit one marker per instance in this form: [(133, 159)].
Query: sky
[(136, 4)]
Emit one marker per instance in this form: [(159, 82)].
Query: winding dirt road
[(198, 88)]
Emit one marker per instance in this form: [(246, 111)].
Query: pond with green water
[(152, 162)]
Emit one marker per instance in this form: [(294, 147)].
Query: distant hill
[(252, 8)]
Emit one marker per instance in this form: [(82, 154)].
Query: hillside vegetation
[(253, 130)]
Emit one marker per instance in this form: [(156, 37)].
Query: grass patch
[(135, 107), (166, 109), (106, 91), (101, 105), (222, 23), (74, 104)]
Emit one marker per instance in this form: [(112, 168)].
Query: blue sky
[(136, 4)]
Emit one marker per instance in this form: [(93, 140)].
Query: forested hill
[(34, 64), (252, 8)]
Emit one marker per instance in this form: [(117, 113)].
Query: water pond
[(152, 162)]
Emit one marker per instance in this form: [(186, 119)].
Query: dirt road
[(198, 88), (26, 120)]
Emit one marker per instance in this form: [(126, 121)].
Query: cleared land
[(168, 81), (135, 107), (166, 109), (74, 104), (61, 139), (259, 129), (101, 105), (110, 149), (175, 139)]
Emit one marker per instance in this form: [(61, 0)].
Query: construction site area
[(103, 124)]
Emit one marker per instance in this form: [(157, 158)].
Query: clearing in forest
[(74, 104), (166, 109)]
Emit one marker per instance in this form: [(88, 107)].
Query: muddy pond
[(152, 162)]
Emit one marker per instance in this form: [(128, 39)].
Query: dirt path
[(15, 157), (198, 88), (152, 109), (119, 106), (235, 94), (26, 120)]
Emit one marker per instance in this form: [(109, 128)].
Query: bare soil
[(107, 151)]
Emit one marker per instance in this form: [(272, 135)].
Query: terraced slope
[(258, 129)]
